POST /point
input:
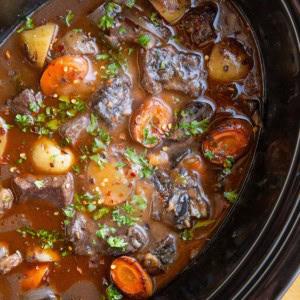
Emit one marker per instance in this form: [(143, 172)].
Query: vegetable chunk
[(49, 158), (131, 278), (229, 140), (112, 182), (63, 75), (229, 61), (150, 123), (170, 10), (34, 276), (37, 42)]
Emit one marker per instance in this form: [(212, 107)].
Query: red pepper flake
[(132, 174)]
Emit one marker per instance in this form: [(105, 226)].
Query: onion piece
[(160, 31), (40, 294)]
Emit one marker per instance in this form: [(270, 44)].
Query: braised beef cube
[(198, 25), (193, 119), (176, 153), (167, 68), (75, 128), (25, 103), (161, 256), (82, 234), (57, 190), (180, 200), (163, 184), (75, 43), (112, 102), (6, 200), (95, 16), (10, 262)]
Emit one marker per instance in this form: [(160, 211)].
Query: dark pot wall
[(257, 251)]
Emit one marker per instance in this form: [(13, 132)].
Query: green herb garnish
[(144, 40), (69, 17)]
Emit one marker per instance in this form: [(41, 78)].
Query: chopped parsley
[(107, 20), (209, 154), (195, 127), (23, 121), (113, 294), (188, 234), (28, 25), (149, 140), (153, 18), (46, 238), (116, 242), (122, 30), (93, 124), (112, 70), (120, 165), (130, 3), (33, 107), (104, 231), (124, 219), (231, 196), (139, 201), (76, 30), (39, 184), (144, 40), (76, 169), (99, 160), (69, 17), (101, 212), (102, 56), (140, 160)]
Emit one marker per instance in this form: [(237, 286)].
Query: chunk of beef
[(178, 199), (82, 234), (21, 103), (128, 33), (95, 16), (112, 102), (176, 152), (193, 119), (6, 200), (75, 128), (10, 262), (57, 190), (198, 25), (75, 43), (161, 256), (167, 68)]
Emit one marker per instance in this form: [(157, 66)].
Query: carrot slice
[(231, 138), (130, 278), (150, 123), (63, 72), (33, 277)]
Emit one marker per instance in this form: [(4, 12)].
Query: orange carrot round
[(63, 71), (150, 123), (130, 278), (34, 276)]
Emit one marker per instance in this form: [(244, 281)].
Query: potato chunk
[(170, 10), (112, 182), (3, 136), (49, 158), (37, 42), (229, 61)]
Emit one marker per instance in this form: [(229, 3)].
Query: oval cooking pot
[(256, 252)]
